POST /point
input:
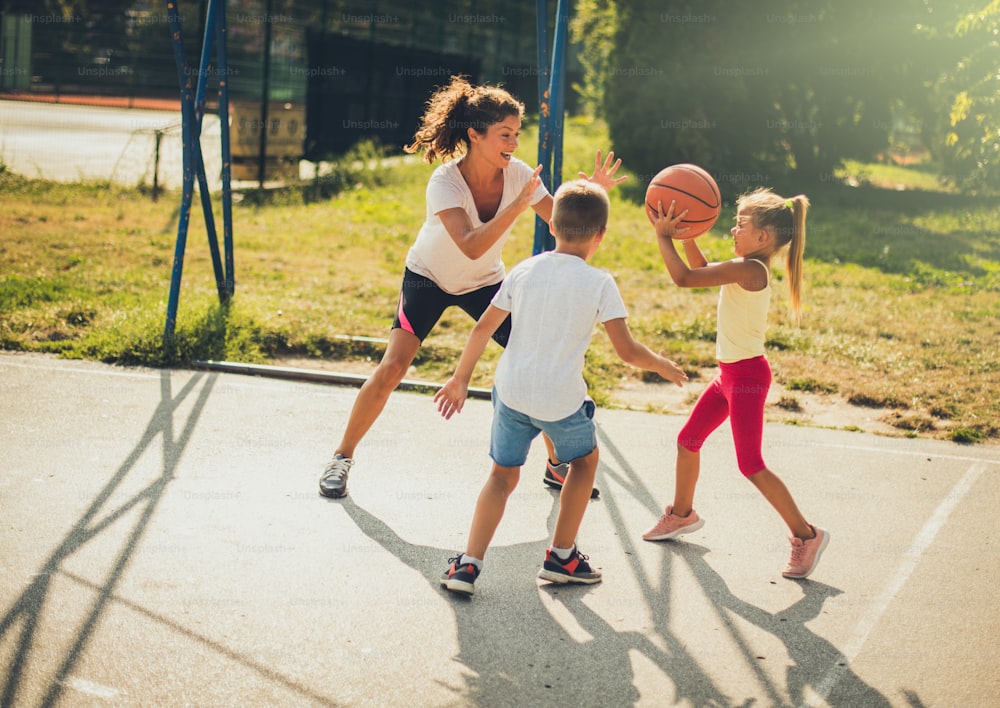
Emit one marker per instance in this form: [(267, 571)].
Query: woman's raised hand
[(604, 172)]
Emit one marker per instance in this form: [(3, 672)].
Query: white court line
[(898, 579), (91, 688), (152, 374), (896, 451)]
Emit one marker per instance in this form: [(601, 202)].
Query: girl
[(765, 223), (472, 204)]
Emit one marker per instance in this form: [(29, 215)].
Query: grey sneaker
[(333, 483)]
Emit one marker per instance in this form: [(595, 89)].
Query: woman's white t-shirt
[(435, 254)]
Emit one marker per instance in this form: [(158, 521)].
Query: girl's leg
[(371, 399), (708, 414), (777, 494), (686, 479), (747, 396), (490, 507), (573, 499)]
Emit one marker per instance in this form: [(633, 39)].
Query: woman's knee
[(397, 359), (391, 371)]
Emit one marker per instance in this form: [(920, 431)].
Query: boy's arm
[(451, 397), (637, 354)]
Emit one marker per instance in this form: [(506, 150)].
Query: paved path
[(65, 142), (163, 544)]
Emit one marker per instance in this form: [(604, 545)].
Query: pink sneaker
[(671, 526), (805, 554)]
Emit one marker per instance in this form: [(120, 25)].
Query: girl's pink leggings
[(738, 392)]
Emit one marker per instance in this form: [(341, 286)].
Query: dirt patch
[(783, 405)]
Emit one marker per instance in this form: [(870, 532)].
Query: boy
[(554, 300)]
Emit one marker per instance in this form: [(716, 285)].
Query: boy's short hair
[(579, 210)]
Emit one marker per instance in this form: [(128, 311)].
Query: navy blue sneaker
[(460, 578), (574, 570)]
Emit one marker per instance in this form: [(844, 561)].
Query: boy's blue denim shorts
[(573, 437)]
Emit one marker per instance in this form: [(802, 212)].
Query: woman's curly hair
[(452, 110)]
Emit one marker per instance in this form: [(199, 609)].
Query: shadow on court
[(107, 515), (165, 544)]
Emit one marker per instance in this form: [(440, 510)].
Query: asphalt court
[(163, 543)]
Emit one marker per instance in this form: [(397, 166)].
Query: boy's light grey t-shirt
[(555, 300)]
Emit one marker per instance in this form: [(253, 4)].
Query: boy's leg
[(574, 498), (510, 439), (464, 568), (575, 437), (490, 508), (564, 563)]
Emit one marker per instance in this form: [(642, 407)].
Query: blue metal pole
[(542, 235), (187, 188), (227, 192), (208, 43), (558, 92)]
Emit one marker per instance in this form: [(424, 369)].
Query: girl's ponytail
[(799, 205), (786, 220)]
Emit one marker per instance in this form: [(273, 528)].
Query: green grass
[(902, 294)]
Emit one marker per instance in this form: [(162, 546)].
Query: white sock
[(564, 553), (478, 562)]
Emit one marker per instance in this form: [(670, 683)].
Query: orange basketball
[(693, 189)]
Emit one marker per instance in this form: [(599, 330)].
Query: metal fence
[(315, 76)]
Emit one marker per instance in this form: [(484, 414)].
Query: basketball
[(693, 189)]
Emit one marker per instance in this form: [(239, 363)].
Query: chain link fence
[(315, 76)]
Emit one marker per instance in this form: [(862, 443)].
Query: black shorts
[(422, 302)]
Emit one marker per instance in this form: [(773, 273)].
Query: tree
[(970, 153), (756, 92), (592, 28)]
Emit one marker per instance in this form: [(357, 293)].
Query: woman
[(472, 204)]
